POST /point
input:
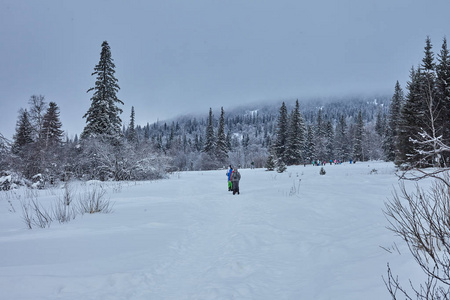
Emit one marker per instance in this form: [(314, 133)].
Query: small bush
[(322, 171), (94, 201)]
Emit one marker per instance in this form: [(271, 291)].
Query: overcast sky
[(176, 57)]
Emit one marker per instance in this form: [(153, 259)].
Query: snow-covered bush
[(38, 181), (281, 167), (322, 171), (5, 182), (270, 163)]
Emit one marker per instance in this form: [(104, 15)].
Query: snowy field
[(296, 235)]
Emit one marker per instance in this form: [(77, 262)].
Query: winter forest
[(409, 128), (392, 128)]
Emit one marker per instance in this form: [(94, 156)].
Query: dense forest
[(409, 129)]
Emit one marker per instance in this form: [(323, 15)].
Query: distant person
[(230, 186), (235, 177)]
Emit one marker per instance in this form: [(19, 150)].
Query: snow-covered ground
[(296, 235)]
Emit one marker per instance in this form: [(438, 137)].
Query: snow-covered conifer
[(102, 118), (295, 137), (391, 133), (221, 144), (282, 132), (24, 133), (131, 132), (210, 141), (358, 151), (51, 132)]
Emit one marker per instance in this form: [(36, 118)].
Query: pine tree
[(342, 146), (282, 133), (210, 142), (408, 125), (320, 136), (443, 94), (24, 134), (270, 163), (358, 152), (131, 133), (432, 107), (310, 149), (102, 118), (221, 145), (379, 124), (296, 137), (391, 133), (329, 136), (51, 132)]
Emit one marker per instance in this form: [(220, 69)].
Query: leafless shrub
[(94, 200), (422, 219), (34, 214)]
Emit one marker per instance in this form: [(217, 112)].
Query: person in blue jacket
[(230, 186)]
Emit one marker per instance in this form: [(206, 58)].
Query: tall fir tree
[(310, 147), (131, 132), (103, 116), (443, 94), (391, 132), (320, 136), (282, 133), (409, 124), (221, 144), (329, 137), (210, 141), (432, 107), (358, 151), (296, 137), (51, 132), (341, 138), (23, 137)]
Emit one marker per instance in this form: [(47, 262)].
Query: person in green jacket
[(230, 185)]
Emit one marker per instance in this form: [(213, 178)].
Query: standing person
[(235, 177), (230, 186)]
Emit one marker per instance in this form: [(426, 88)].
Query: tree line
[(298, 132)]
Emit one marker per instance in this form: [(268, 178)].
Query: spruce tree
[(221, 144), (270, 163), (432, 107), (310, 148), (210, 142), (102, 118), (409, 125), (296, 137), (320, 136), (23, 137), (443, 94), (131, 132), (358, 152), (341, 146), (51, 132), (391, 133), (282, 133), (329, 136)]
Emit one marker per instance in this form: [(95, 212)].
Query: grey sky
[(175, 57)]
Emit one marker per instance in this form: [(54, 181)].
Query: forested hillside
[(251, 132)]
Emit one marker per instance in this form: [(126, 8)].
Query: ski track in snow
[(296, 235)]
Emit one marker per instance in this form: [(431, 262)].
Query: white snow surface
[(296, 235)]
